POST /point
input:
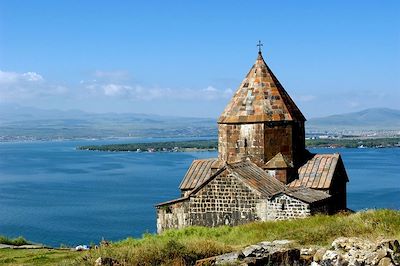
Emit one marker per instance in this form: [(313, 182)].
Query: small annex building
[(263, 170)]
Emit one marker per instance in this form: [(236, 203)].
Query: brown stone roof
[(260, 98), (256, 177), (279, 161), (198, 172), (307, 195), (318, 171)]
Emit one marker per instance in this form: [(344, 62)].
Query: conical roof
[(260, 98)]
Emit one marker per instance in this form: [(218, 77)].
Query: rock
[(263, 253), (355, 251), (392, 244), (252, 250), (106, 262), (97, 262), (319, 254), (347, 243), (386, 262), (306, 255), (332, 258), (228, 258), (281, 242)]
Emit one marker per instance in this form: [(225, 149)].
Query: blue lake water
[(54, 194)]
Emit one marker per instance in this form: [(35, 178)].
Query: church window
[(245, 143)]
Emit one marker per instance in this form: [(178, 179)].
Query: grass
[(185, 246), (43, 257)]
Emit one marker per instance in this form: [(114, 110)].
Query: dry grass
[(185, 246)]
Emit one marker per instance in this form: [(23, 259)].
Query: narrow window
[(245, 143)]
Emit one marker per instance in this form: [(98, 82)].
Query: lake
[(54, 194)]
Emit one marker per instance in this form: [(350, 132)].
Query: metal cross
[(259, 46)]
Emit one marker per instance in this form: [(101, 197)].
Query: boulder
[(263, 253), (228, 258), (332, 258), (355, 251)]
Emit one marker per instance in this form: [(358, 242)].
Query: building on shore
[(263, 170)]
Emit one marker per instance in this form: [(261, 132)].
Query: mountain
[(368, 119), (21, 123), (17, 122)]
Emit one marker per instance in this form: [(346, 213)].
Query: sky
[(186, 58)]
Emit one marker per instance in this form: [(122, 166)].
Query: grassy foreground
[(185, 246)]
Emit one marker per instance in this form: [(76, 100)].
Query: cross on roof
[(259, 46)]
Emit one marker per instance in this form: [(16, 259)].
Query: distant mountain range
[(368, 119), (18, 122)]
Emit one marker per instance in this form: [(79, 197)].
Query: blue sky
[(186, 58)]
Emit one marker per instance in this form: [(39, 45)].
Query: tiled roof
[(260, 98), (198, 172), (317, 172), (306, 194), (279, 161), (256, 178)]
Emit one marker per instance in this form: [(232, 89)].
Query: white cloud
[(14, 77), (138, 92), (111, 75), (30, 85)]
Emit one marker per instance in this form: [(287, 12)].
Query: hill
[(185, 246), (368, 119), (18, 122), (27, 123)]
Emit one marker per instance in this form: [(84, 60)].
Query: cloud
[(21, 86), (14, 77), (112, 75), (138, 92)]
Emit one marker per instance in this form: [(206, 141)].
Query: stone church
[(263, 170)]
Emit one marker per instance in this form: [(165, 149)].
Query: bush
[(19, 241)]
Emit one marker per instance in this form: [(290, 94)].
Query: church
[(263, 170)]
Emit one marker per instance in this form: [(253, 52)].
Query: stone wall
[(174, 215), (223, 201), (238, 141), (283, 207), (261, 141)]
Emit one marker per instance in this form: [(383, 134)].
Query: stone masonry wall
[(238, 141), (227, 201), (172, 216), (223, 201), (278, 138), (260, 141), (284, 207)]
